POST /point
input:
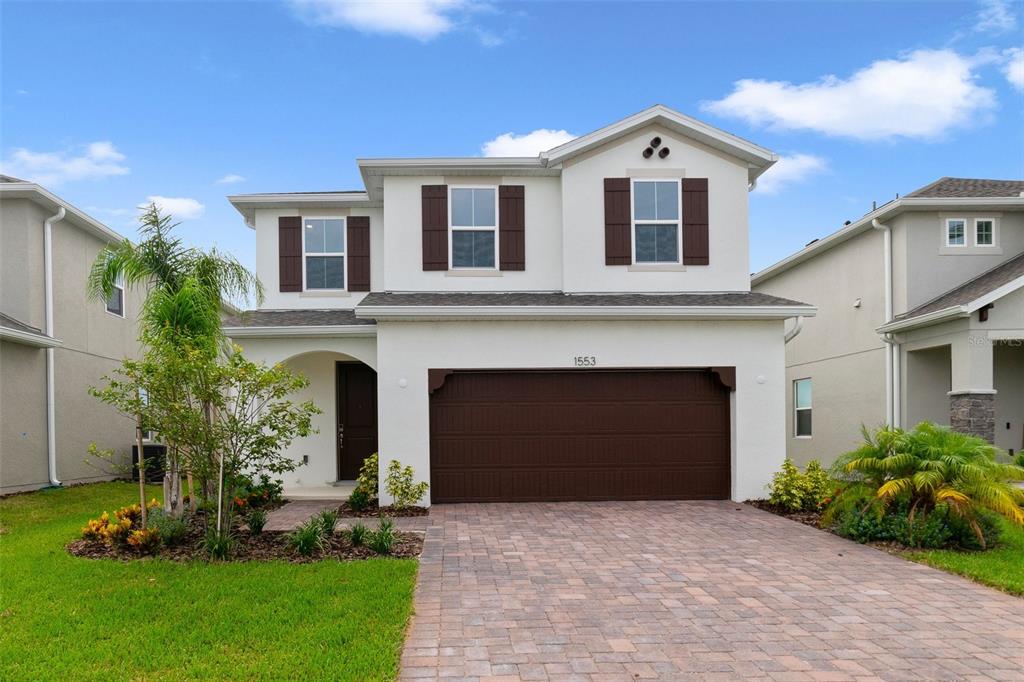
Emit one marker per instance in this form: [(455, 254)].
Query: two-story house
[(572, 326), (921, 318), (55, 342)]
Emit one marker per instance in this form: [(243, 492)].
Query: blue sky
[(112, 103)]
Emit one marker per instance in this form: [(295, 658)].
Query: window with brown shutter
[(512, 226), (435, 227), (358, 253), (617, 221), (695, 221), (289, 253)]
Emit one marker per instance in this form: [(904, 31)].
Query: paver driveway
[(689, 590)]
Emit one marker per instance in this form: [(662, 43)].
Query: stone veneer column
[(973, 413)]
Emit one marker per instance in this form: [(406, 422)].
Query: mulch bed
[(372, 511), (267, 546), (808, 518)]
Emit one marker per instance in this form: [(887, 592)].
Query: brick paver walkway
[(689, 590)]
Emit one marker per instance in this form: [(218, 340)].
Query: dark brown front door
[(357, 417), (579, 435)]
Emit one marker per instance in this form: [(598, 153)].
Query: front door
[(357, 417)]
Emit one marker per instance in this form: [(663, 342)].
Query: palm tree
[(186, 289), (931, 467)]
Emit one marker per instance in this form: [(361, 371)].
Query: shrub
[(328, 519), (929, 470), (358, 500), (796, 491), (256, 519), (218, 545), (262, 492), (400, 486), (383, 539), (170, 530), (93, 529), (308, 537), (144, 540), (368, 478), (820, 486), (116, 534), (132, 513), (938, 529), (357, 534)]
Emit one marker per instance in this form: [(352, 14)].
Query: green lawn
[(62, 617), (1002, 567)]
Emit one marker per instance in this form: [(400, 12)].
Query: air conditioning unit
[(156, 458)]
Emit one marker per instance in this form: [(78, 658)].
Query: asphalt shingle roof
[(295, 318), (561, 299), (18, 325), (970, 187), (972, 289)]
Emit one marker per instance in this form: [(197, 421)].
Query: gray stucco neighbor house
[(55, 342), (920, 317)]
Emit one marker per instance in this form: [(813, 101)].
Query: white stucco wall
[(583, 216), (406, 350)]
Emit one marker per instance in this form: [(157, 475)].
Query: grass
[(1002, 567), (62, 617)]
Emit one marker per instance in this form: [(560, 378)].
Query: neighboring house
[(55, 342), (575, 325), (920, 317)]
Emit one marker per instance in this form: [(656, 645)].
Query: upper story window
[(956, 231), (323, 247), (656, 231), (802, 408), (474, 226), (115, 302), (984, 232)]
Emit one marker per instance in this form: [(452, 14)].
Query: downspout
[(892, 348), (797, 328), (51, 410)]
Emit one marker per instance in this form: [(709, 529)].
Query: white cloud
[(180, 208), (420, 19), (530, 144), (1013, 68), (94, 161), (995, 16), (789, 170), (921, 95), (230, 179)]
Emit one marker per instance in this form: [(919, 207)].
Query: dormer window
[(656, 230), (323, 244), (474, 226), (955, 231)]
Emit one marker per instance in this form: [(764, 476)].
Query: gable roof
[(966, 298), (991, 195), (17, 331), (14, 188)]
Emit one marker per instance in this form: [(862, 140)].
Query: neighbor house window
[(802, 407), (323, 242), (955, 231), (115, 302), (656, 221), (474, 226), (984, 232)]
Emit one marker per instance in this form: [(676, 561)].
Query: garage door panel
[(584, 435)]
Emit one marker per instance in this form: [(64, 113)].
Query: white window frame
[(119, 285), (797, 410), (992, 224), (678, 222), (945, 224), (343, 254), (474, 228)]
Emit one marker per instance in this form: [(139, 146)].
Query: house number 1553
[(584, 361)]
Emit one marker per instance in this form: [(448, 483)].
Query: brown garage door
[(579, 435)]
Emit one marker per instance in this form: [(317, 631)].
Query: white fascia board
[(935, 317), (29, 338), (585, 312), (759, 157), (884, 212), (247, 204), (50, 201), (995, 295), (441, 163), (350, 330)]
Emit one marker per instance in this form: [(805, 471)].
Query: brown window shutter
[(618, 248), (358, 252), (289, 253), (435, 227), (695, 221), (512, 227)]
